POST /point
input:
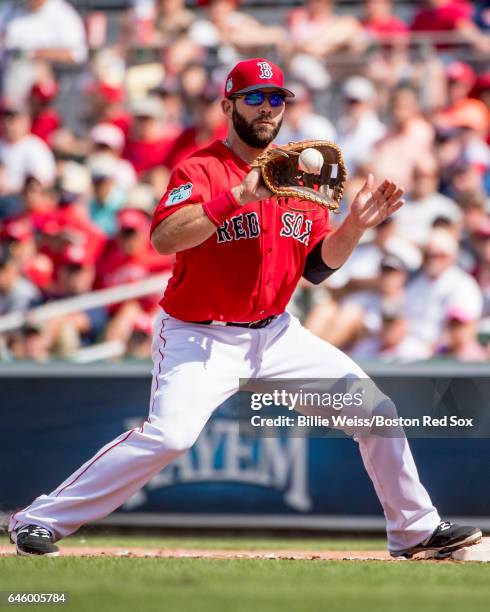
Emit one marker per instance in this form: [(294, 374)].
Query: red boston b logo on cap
[(253, 74)]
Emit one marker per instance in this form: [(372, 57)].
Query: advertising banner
[(51, 424)]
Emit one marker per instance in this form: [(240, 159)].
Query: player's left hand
[(369, 208)]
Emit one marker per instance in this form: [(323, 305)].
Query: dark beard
[(252, 135)]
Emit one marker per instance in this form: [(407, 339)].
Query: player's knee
[(386, 408), (370, 417), (178, 443), (174, 438)]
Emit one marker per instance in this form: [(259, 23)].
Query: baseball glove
[(282, 173)]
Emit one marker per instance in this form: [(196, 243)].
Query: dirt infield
[(141, 552), (474, 553)]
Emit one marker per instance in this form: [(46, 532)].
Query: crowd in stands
[(92, 124)]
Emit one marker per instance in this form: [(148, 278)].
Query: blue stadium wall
[(54, 418)]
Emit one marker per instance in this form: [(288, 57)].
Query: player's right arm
[(185, 228), (186, 217)]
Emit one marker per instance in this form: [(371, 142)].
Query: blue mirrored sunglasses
[(256, 98)]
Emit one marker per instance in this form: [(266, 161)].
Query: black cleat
[(34, 540), (446, 538)]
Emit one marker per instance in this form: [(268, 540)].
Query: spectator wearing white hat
[(141, 197), (149, 140), (108, 197), (359, 126), (109, 139), (439, 287), (22, 154)]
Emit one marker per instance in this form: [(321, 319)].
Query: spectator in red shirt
[(106, 106), (149, 139), (45, 118), (209, 125), (35, 203), (481, 91), (442, 15), (76, 277), (129, 256), (125, 259), (70, 221), (446, 16), (17, 235), (121, 260), (75, 187), (380, 22), (463, 110)]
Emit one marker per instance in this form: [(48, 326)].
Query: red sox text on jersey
[(248, 269)]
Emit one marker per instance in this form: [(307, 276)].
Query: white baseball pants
[(196, 368)]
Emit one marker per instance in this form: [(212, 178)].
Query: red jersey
[(186, 144), (386, 28), (443, 18), (45, 124), (114, 267), (145, 154), (249, 267)]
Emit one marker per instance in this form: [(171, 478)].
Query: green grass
[(227, 543), (205, 585)]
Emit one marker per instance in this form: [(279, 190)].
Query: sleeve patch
[(179, 194)]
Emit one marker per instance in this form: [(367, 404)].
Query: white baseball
[(310, 161)]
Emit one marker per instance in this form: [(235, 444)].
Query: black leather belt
[(251, 325)]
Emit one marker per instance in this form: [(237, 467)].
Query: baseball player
[(239, 258)]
